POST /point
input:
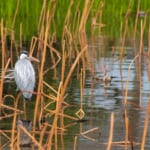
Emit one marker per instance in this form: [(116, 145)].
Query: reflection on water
[(101, 99)]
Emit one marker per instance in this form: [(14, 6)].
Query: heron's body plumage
[(24, 74)]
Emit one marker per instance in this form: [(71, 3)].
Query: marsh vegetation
[(92, 82)]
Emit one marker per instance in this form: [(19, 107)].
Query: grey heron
[(24, 75)]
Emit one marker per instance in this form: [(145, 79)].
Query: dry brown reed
[(123, 37), (86, 136), (149, 41), (127, 81), (75, 143), (48, 18), (80, 113), (14, 123), (136, 21), (58, 112), (111, 131), (60, 93), (85, 133), (74, 49), (145, 126), (96, 25), (2, 79), (137, 56), (141, 52), (142, 25), (126, 120), (15, 15), (125, 32), (4, 68), (20, 36), (3, 63)]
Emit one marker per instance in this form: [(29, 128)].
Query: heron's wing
[(24, 75)]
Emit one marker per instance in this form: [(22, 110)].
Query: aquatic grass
[(113, 15)]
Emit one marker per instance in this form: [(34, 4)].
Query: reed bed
[(48, 118), (41, 45)]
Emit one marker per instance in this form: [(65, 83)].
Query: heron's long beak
[(33, 59)]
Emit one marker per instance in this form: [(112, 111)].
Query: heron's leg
[(19, 96), (25, 109)]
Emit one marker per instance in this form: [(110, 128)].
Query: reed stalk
[(85, 133), (142, 26), (62, 131), (3, 63), (60, 99), (11, 108), (75, 143), (14, 19), (72, 69), (136, 21), (14, 122), (20, 36), (63, 62), (123, 44), (111, 132), (149, 41), (82, 82), (76, 21), (18, 137), (145, 126), (80, 113), (74, 45), (126, 120), (86, 10), (54, 126), (48, 22), (42, 134), (93, 51), (42, 16), (4, 68)]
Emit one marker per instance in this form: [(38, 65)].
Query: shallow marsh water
[(100, 100)]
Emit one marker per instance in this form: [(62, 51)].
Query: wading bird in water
[(24, 74)]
